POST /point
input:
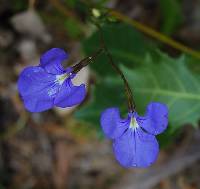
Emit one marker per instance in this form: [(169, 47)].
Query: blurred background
[(65, 148)]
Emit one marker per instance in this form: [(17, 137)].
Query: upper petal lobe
[(52, 59), (113, 126), (156, 119)]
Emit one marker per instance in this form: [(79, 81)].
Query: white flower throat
[(52, 91), (61, 78), (133, 124)]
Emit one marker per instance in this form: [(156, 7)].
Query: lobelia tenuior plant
[(49, 84)]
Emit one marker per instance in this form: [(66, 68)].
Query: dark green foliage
[(125, 44), (171, 15)]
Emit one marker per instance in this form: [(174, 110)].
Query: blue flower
[(134, 141), (49, 84)]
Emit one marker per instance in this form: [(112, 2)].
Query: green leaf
[(71, 3), (168, 81), (124, 43), (172, 15), (103, 97), (73, 28)]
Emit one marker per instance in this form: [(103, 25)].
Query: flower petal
[(123, 148), (70, 95), (156, 119), (113, 126), (147, 148), (136, 149), (37, 88), (52, 59)]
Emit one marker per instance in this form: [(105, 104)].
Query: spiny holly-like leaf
[(124, 43), (168, 81)]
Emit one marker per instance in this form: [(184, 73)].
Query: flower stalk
[(84, 62), (129, 95)]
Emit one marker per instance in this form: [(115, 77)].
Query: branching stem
[(84, 62)]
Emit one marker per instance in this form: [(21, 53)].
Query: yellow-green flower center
[(61, 78), (133, 123)]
